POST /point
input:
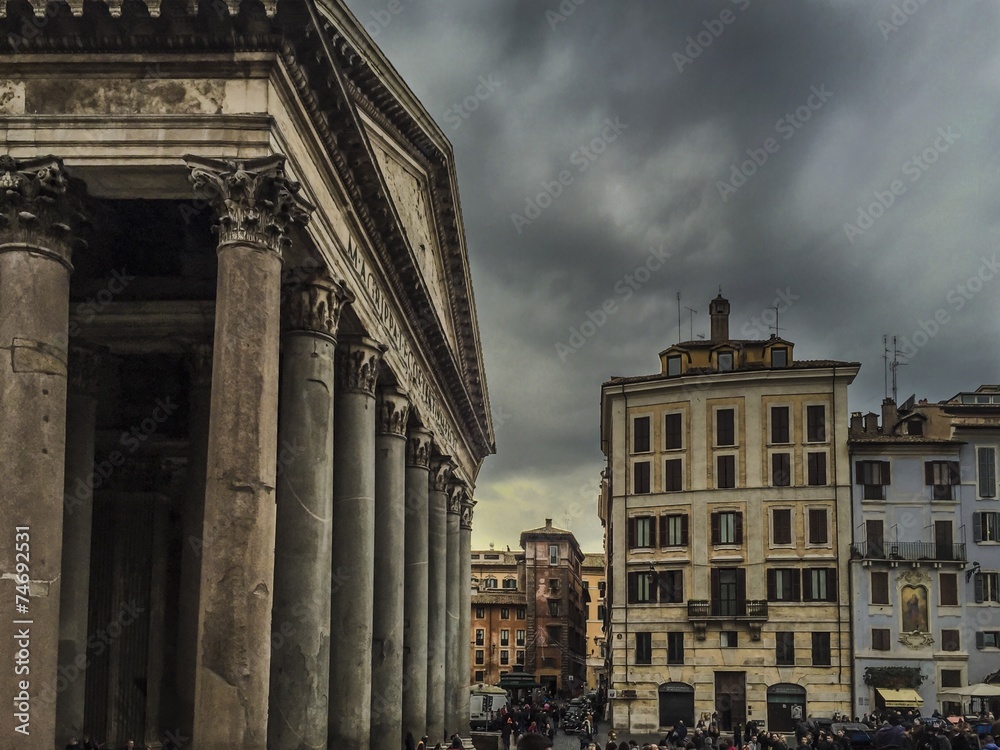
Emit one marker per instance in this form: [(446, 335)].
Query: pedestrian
[(533, 742), (422, 745)]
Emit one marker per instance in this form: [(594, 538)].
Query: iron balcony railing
[(740, 609), (931, 551)]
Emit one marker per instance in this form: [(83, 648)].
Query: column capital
[(441, 469), (254, 201), (315, 303), (36, 209), (457, 492), (358, 359), (467, 505), (84, 368), (418, 447), (391, 412)]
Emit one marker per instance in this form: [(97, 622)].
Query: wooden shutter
[(929, 473), (859, 472), (978, 586), (652, 532), (654, 589), (818, 533), (807, 588), (663, 530), (980, 640), (674, 439), (796, 587), (977, 527), (725, 427), (716, 590), (772, 588), (954, 475), (741, 591), (631, 533), (831, 585), (738, 528), (633, 585), (715, 529), (885, 473), (684, 530)]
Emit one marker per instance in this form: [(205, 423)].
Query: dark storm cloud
[(756, 143)]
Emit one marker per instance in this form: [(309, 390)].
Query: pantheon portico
[(242, 398)]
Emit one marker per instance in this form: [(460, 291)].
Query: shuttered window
[(640, 477), (779, 424), (942, 476), (880, 639), (725, 477), (948, 584), (673, 475), (816, 463), (880, 587), (725, 427), (672, 432), (781, 526), (640, 436), (674, 530), (783, 585), (987, 459), (816, 424), (874, 477), (819, 585), (781, 469), (817, 526), (727, 527)]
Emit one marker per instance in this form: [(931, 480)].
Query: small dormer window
[(914, 427), (725, 361), (779, 357), (674, 365)]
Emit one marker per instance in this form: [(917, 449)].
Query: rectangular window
[(951, 678), (727, 527), (987, 587), (987, 458), (600, 612), (640, 478), (480, 636), (520, 638), (643, 648), (671, 586), (948, 583), (641, 532), (504, 613), (675, 531), (510, 583), (819, 585), (640, 588), (554, 585), (553, 633), (480, 613), (640, 435), (553, 554), (880, 587), (783, 585), (504, 637), (673, 366), (725, 427), (817, 468), (553, 607), (781, 526), (672, 475), (725, 361), (880, 639), (729, 591), (520, 657), (821, 649), (988, 639), (941, 476), (480, 675), (480, 656), (675, 648), (781, 469), (729, 639), (673, 437), (874, 477), (779, 357), (779, 425), (818, 533), (816, 424), (725, 476), (986, 526), (950, 640), (784, 648)]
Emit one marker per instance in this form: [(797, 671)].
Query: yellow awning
[(905, 698)]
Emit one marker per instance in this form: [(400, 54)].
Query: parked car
[(861, 736)]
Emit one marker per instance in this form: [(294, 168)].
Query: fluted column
[(36, 244), (454, 680), (300, 618), (437, 590), (392, 414), (353, 544), (465, 615), (78, 509), (256, 205), (415, 600)]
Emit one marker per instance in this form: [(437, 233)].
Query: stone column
[(36, 246), (392, 413), (465, 616), (256, 205), (415, 600), (77, 515), (199, 367), (353, 544), (437, 603), (453, 681), (300, 644)]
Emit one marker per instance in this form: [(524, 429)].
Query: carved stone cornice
[(467, 505), (255, 203), (457, 492), (84, 369), (37, 210), (418, 448), (358, 359), (199, 364), (441, 471), (315, 304), (391, 412)]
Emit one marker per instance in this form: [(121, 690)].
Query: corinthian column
[(454, 681), (465, 616), (256, 205), (36, 244), (353, 544), (390, 507), (300, 647), (437, 602), (78, 508), (415, 601)]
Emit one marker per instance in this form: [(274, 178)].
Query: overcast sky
[(621, 151)]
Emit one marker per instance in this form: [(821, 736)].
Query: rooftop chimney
[(856, 428), (871, 423), (718, 308), (889, 415), (548, 523)]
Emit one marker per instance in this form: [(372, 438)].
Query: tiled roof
[(498, 598), (801, 364)]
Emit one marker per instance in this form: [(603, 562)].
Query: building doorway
[(676, 704), (731, 698), (786, 706)]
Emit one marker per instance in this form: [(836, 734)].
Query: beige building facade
[(594, 581), (244, 406), (726, 506)]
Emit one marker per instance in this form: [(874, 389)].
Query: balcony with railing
[(727, 609), (909, 551)]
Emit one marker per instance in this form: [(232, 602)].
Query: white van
[(485, 701)]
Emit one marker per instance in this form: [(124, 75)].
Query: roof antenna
[(693, 313), (678, 317), (776, 327)]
